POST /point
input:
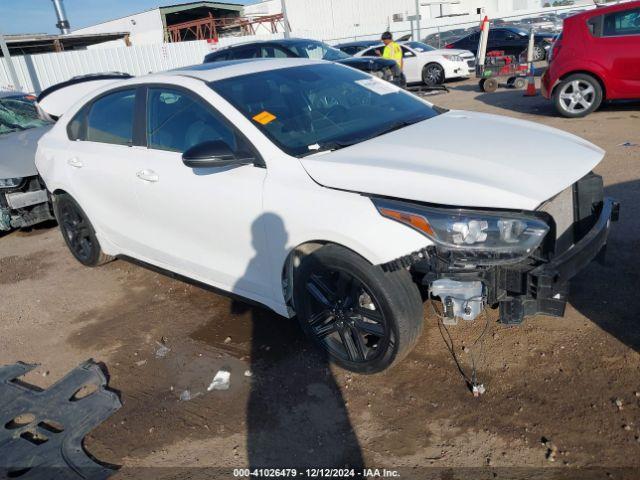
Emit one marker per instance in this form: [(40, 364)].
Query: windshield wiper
[(332, 145)]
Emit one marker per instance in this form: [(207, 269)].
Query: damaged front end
[(520, 262), (23, 202)]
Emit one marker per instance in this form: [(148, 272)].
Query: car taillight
[(448, 45)]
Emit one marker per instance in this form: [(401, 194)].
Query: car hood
[(461, 158), (19, 152), (369, 64)]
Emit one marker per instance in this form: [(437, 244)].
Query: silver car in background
[(23, 198)]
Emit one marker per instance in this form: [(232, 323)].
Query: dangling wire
[(472, 382)]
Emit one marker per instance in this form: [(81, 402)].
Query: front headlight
[(10, 182), (505, 234), (453, 58)]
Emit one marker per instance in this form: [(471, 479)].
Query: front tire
[(433, 74), (577, 95), (77, 231), (365, 319)]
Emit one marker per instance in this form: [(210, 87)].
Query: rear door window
[(241, 53), (373, 52), (273, 51), (622, 23), (110, 118)]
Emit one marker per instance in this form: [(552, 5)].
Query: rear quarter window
[(622, 23)]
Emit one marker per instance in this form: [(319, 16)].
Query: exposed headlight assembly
[(492, 236), (10, 182), (453, 58)]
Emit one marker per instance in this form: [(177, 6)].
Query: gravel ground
[(561, 393)]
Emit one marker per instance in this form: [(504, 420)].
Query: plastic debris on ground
[(221, 381), (162, 350), (43, 431)]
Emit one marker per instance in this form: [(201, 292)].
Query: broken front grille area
[(575, 210)]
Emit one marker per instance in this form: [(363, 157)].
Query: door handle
[(75, 162), (147, 175)]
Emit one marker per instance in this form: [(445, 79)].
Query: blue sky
[(38, 16)]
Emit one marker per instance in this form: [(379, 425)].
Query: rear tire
[(577, 95), (77, 231), (363, 318)]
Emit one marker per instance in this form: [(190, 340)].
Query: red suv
[(596, 58)]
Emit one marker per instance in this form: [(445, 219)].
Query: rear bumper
[(548, 283)]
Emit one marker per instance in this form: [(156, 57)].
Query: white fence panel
[(37, 72)]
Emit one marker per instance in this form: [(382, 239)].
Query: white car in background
[(429, 65), (327, 194)]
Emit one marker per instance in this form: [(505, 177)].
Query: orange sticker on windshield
[(264, 118)]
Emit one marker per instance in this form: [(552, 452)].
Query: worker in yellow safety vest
[(392, 50)]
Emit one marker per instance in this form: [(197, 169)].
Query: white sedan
[(431, 66), (327, 194)]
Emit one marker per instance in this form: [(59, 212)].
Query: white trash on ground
[(221, 381)]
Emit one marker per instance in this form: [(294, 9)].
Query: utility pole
[(287, 29), (63, 23), (418, 32), (7, 56)]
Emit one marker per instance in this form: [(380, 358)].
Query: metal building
[(172, 23), (349, 19)]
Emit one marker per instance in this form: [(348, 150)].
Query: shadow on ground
[(296, 414), (514, 100), (608, 295)]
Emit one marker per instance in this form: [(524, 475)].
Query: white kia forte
[(327, 194)]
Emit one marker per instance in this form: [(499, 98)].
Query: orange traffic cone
[(531, 84)]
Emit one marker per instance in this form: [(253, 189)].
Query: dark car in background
[(351, 48), (304, 48), (510, 40), (23, 198), (440, 39)]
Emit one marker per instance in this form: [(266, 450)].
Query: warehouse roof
[(28, 44)]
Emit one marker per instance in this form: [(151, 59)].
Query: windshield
[(17, 114), (312, 108), (419, 46), (317, 51)]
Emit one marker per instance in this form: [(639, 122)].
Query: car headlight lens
[(453, 58), (10, 182), (505, 234)]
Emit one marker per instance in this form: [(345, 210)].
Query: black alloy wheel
[(365, 319), (77, 231), (345, 318)]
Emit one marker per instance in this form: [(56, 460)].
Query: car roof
[(210, 72), (277, 41), (359, 43), (602, 10)]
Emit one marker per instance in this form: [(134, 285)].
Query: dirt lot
[(554, 380)]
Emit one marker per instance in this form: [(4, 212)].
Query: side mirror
[(214, 153)]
